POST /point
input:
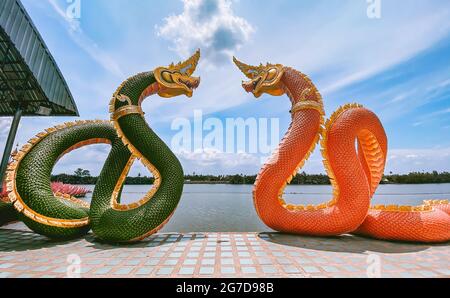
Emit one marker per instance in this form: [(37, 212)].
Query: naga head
[(176, 80), (263, 79)]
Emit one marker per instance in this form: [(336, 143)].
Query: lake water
[(229, 208)]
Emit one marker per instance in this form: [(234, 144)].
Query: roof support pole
[(9, 145)]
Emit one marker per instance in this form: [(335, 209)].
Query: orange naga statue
[(355, 171)]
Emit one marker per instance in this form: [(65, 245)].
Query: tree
[(81, 173)]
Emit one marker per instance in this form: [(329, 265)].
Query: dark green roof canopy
[(29, 76)]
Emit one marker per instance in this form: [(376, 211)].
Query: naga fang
[(62, 217), (355, 171)]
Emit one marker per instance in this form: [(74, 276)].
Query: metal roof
[(29, 76)]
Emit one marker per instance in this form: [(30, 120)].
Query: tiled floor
[(25, 254)]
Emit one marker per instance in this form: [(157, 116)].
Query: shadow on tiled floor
[(345, 243), (18, 240), (149, 242), (22, 240)]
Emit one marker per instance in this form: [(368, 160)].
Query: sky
[(392, 58)]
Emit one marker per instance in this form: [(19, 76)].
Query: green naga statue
[(131, 139)]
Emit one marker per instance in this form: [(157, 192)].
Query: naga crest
[(176, 80), (263, 79)]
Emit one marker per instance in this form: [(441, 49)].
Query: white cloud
[(348, 47), (209, 161), (4, 126), (84, 42), (440, 112), (207, 24), (399, 161), (443, 84), (213, 161), (417, 160), (439, 115), (409, 100), (72, 22)]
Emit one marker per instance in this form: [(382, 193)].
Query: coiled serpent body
[(130, 137)]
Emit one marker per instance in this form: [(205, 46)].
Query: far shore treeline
[(81, 176)]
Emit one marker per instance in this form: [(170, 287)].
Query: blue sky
[(397, 65)]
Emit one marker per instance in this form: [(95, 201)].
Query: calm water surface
[(229, 208)]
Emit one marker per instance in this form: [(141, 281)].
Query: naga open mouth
[(251, 85), (191, 84)]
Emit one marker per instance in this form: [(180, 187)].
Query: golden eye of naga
[(271, 74), (167, 76)]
